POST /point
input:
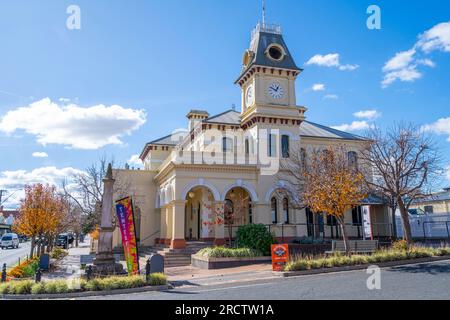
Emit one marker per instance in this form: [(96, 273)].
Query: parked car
[(9, 240), (64, 240)]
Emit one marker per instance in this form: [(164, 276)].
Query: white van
[(9, 240)]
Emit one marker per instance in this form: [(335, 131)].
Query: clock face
[(276, 91), (250, 96)]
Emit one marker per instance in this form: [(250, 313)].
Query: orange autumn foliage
[(332, 185), (41, 211)]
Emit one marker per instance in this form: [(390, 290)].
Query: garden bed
[(381, 256), (221, 257), (80, 286), (208, 263)]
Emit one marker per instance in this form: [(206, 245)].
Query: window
[(227, 145), (275, 52), (285, 146), (428, 209), (303, 158), (286, 210), (357, 216), (250, 212), (274, 209), (353, 160), (272, 145), (331, 220), (247, 147)]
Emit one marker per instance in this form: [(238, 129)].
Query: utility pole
[(1, 195)]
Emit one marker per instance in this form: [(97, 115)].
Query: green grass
[(222, 252), (385, 255)]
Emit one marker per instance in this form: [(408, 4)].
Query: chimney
[(196, 116)]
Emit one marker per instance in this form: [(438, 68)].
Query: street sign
[(280, 256)]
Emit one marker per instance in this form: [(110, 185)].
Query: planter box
[(222, 263)]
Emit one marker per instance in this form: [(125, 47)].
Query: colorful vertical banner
[(125, 219)]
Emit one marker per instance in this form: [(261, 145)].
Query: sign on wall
[(125, 219), (280, 256), (367, 223)]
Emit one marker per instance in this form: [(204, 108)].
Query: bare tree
[(403, 164), (86, 191)]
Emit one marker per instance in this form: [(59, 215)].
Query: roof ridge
[(221, 114), (335, 130)]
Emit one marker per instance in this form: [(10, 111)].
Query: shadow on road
[(182, 283), (433, 269)]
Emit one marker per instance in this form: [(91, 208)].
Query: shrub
[(58, 253), (56, 286), (157, 279), (255, 236), (400, 245), (222, 252), (5, 288), (25, 269), (38, 288), (113, 283)]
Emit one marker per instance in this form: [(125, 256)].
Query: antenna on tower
[(264, 12)]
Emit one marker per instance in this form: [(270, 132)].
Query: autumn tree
[(327, 182), (40, 214), (404, 164)]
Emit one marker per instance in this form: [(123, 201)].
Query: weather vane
[(264, 12)]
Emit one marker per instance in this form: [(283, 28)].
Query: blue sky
[(135, 68)]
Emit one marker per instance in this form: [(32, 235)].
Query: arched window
[(353, 160), (274, 209), (227, 145), (286, 210)]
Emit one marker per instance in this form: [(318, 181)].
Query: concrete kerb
[(389, 264), (83, 294)]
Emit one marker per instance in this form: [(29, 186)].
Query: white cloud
[(135, 160), (400, 61), (331, 96), (409, 74), (14, 181), (318, 87), (73, 126), (442, 126), (437, 38), (40, 155), (404, 65), (354, 126), (331, 60), (367, 114)]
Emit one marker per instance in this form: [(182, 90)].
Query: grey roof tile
[(310, 129)]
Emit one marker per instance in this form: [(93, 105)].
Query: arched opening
[(238, 210), (199, 214), (274, 210)]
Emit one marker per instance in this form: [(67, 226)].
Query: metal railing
[(324, 231), (435, 223)]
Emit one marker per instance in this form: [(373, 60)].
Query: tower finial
[(264, 12)]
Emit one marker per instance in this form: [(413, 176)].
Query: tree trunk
[(33, 245), (77, 235), (345, 236), (405, 221)]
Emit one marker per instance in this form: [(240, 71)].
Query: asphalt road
[(421, 281), (11, 256)]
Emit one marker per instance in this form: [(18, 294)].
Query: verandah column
[(178, 224), (163, 226), (219, 228)]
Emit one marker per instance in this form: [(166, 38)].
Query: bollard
[(89, 273), (38, 276), (147, 269), (4, 273)]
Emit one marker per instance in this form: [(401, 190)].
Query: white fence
[(436, 225)]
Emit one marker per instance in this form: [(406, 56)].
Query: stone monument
[(104, 262)]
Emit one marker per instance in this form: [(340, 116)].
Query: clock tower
[(268, 80)]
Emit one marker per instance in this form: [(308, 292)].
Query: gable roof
[(314, 130), (228, 117)]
